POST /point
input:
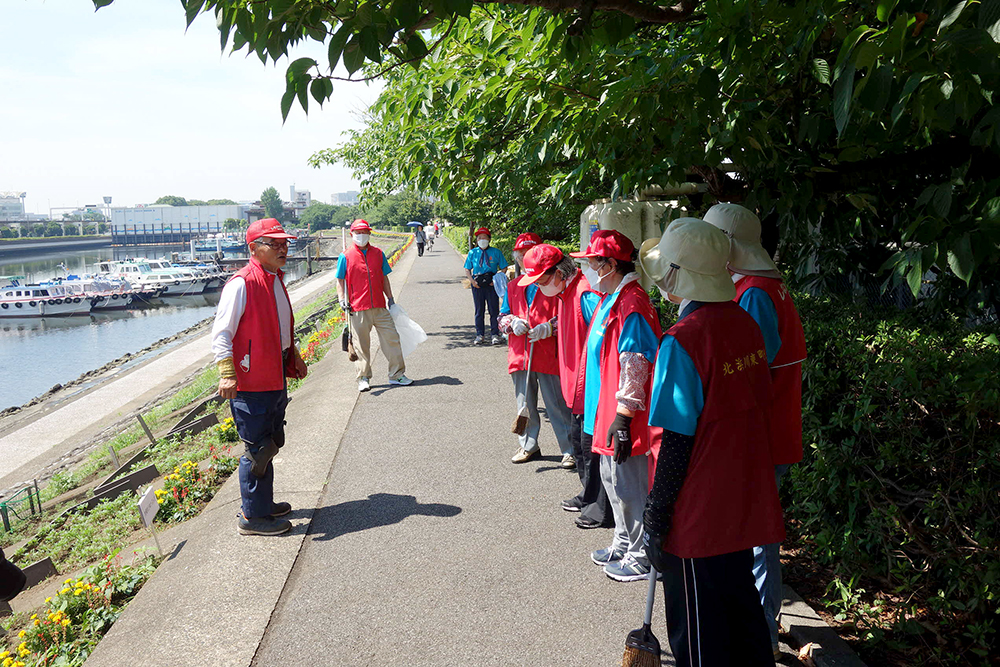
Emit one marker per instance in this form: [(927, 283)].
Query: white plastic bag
[(410, 333), (500, 283)]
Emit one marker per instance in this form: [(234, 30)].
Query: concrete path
[(416, 541)]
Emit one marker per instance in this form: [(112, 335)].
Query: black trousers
[(420, 250), (596, 505), (483, 298), (714, 616)]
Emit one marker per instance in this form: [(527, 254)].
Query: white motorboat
[(103, 292), (142, 276), (41, 301)]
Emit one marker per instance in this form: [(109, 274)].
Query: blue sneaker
[(605, 556), (627, 569)]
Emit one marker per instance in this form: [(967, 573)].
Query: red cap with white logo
[(267, 227)]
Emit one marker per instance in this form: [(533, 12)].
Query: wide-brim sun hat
[(689, 261), (743, 229)]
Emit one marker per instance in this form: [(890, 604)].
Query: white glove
[(344, 306), (543, 330), (519, 326)]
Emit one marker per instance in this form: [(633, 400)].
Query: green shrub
[(899, 480)]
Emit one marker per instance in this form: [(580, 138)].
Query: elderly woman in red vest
[(528, 317), (713, 496), (621, 346), (762, 293), (557, 275)]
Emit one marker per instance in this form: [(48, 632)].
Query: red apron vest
[(728, 501), (364, 278), (631, 299), (543, 308), (572, 335), (786, 370), (257, 343)]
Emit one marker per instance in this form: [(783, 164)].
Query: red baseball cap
[(359, 226), (483, 230), (527, 240), (610, 244), (538, 260), (267, 227)]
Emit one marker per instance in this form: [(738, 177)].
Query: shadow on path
[(422, 382), (379, 509)]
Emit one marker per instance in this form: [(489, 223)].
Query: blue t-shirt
[(481, 261), (342, 264), (677, 398), (529, 294), (758, 303), (636, 336)]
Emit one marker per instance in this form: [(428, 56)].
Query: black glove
[(620, 437), (653, 544)]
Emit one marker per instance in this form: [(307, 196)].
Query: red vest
[(364, 278), (543, 308), (728, 501), (631, 299), (572, 335), (786, 370), (257, 343)]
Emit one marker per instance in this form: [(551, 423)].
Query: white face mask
[(483, 243), (592, 277), (360, 240), (554, 287)]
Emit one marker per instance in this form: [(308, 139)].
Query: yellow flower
[(21, 634), (65, 621), (68, 581), (48, 599), (64, 591), (4, 654), (78, 591), (8, 662)]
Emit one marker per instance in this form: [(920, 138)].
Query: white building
[(300, 199), (11, 206), (349, 198), (170, 224)]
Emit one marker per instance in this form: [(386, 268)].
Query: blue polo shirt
[(342, 264), (758, 304), (636, 336), (481, 261), (677, 397)]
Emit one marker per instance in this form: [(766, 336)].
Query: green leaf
[(336, 46), (915, 275), (951, 16), (353, 58), (370, 46), (908, 89), (192, 8), (991, 212), (961, 259), (286, 101), (848, 46), (941, 202), (821, 70), (989, 18), (843, 93), (884, 10)]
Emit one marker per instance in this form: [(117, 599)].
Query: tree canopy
[(865, 131), (273, 206)]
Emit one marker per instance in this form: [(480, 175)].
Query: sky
[(123, 102)]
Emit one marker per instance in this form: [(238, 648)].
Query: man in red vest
[(364, 291), (529, 320), (558, 275), (762, 293), (254, 349), (713, 496)]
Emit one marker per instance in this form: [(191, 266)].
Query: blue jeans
[(260, 421), (482, 298), (767, 573)]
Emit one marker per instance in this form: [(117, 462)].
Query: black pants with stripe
[(714, 616)]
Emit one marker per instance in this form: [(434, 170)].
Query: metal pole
[(3, 515)]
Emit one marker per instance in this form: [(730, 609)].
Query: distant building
[(349, 198), (300, 199), (11, 207), (170, 224)]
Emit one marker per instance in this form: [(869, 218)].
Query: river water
[(36, 354)]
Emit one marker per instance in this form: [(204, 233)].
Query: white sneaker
[(402, 381), (363, 384), (568, 462), (478, 341), (496, 340)]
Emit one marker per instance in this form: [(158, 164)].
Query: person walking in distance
[(255, 351), (713, 495), (481, 264), (528, 317), (420, 238), (762, 293), (365, 293)]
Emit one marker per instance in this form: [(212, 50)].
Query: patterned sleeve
[(671, 469), (632, 381), (505, 323)]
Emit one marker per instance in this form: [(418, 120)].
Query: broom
[(520, 424), (642, 649)]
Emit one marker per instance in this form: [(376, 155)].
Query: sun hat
[(360, 226), (610, 244), (267, 227), (527, 240), (483, 230), (538, 260), (689, 261), (743, 229)]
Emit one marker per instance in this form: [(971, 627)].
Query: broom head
[(520, 424), (642, 649), (351, 354)]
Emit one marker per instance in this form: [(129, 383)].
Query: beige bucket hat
[(689, 261), (746, 254)]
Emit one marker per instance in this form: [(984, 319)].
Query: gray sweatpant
[(555, 408), (627, 485)]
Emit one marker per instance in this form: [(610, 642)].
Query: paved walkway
[(416, 541)]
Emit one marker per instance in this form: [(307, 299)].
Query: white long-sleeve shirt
[(232, 303)]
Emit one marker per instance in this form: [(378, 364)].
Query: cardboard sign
[(148, 507)]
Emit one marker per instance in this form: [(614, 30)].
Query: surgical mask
[(483, 243), (592, 277), (668, 283), (554, 287), (360, 240)]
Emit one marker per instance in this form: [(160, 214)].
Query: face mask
[(360, 240), (592, 277), (554, 287), (668, 283), (483, 243)]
